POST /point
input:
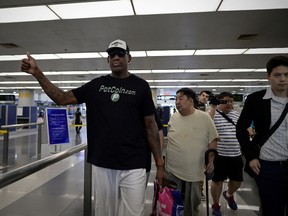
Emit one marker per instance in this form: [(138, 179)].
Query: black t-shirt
[(115, 120)]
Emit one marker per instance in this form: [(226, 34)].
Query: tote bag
[(169, 202)]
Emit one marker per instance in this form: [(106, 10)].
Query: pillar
[(26, 98)]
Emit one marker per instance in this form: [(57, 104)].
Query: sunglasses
[(119, 52)]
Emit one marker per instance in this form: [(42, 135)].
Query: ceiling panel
[(206, 30)]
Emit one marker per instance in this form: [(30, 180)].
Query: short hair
[(225, 94), (275, 62), (188, 92), (207, 92)]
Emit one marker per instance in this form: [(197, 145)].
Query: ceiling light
[(140, 71), (236, 5), (201, 70), (267, 50), (166, 80), (70, 81), (14, 74), (26, 14), (138, 53), (104, 54), (57, 73), (191, 80), (171, 6), (168, 71), (245, 80), (170, 52), (29, 87), (18, 82), (93, 9), (78, 55), (220, 52), (260, 70), (218, 80), (207, 86), (236, 70), (12, 57), (44, 56)]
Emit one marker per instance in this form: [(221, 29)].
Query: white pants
[(119, 192)]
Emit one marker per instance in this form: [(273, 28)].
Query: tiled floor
[(58, 189)]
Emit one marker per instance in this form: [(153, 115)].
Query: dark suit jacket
[(257, 110)]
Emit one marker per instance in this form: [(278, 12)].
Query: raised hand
[(29, 65)]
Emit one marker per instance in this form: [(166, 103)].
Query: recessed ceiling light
[(171, 6), (78, 55), (44, 56), (218, 80), (138, 53), (201, 70), (267, 51), (168, 71), (236, 5), (220, 52), (236, 70), (170, 52), (93, 9), (139, 71), (26, 14)]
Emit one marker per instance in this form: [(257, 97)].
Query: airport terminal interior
[(58, 189), (215, 45)]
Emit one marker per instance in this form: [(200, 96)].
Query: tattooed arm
[(60, 97), (155, 146)]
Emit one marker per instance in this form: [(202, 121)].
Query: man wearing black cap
[(120, 121)]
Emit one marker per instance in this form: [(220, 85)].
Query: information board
[(57, 126)]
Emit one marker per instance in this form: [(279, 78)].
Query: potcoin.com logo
[(115, 97)]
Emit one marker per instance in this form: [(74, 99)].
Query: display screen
[(7, 97)]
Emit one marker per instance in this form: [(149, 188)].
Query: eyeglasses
[(119, 52)]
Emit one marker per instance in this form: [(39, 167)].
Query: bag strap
[(275, 126), (226, 117)]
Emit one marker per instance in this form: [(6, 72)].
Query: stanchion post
[(39, 140), (5, 148), (87, 205)]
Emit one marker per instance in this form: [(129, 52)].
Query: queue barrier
[(22, 172), (4, 130)]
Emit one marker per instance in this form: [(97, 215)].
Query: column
[(26, 98)]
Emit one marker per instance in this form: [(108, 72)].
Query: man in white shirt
[(190, 133)]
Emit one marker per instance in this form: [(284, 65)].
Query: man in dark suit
[(268, 161)]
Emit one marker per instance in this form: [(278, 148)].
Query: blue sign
[(57, 125)]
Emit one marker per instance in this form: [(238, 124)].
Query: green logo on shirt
[(115, 97)]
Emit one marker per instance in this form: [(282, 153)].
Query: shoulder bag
[(226, 117), (262, 140)]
